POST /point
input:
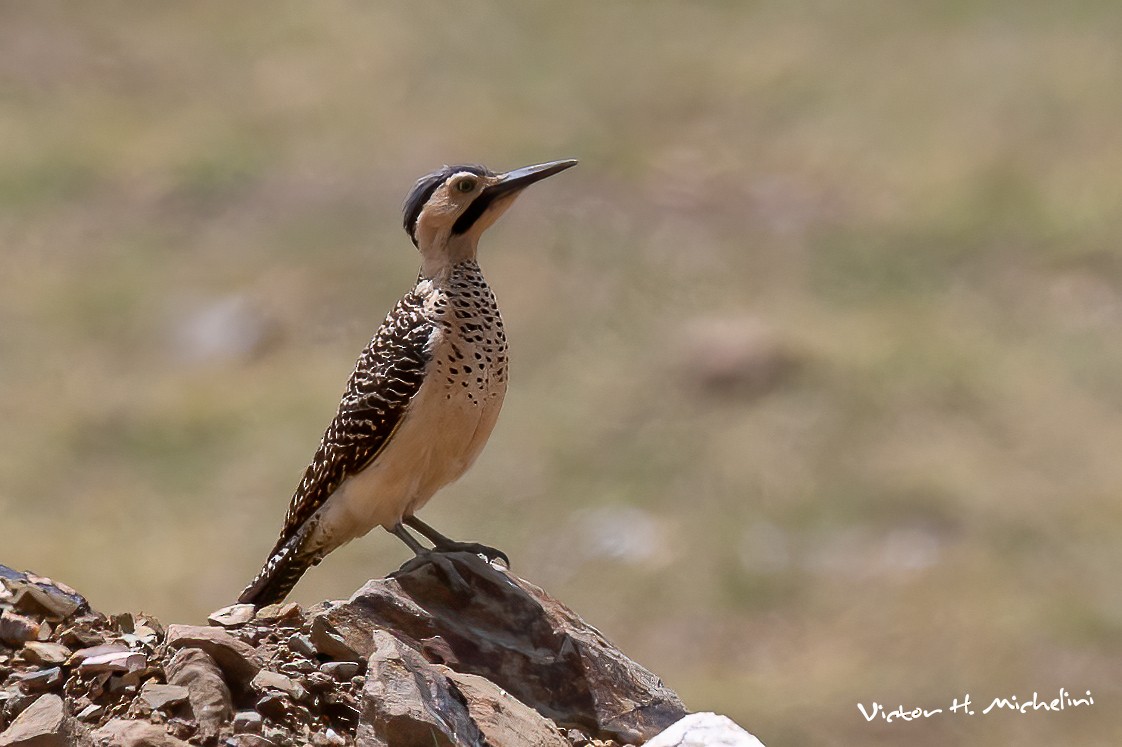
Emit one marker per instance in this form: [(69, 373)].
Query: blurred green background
[(816, 372)]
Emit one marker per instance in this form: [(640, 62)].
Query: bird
[(424, 395)]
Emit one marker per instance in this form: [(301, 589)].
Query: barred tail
[(281, 572)]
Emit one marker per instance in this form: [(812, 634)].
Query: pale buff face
[(438, 245)]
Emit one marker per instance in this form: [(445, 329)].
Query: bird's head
[(448, 210)]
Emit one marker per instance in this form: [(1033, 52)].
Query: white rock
[(704, 730)]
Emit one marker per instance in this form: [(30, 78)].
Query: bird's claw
[(443, 565), (490, 553)]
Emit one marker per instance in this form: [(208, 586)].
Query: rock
[(207, 692), (114, 661), (39, 596), (235, 657), (407, 701), (247, 722), (81, 655), (328, 738), (46, 653), (491, 660), (704, 730), (38, 681), (127, 733), (44, 723), (517, 636), (266, 680), (301, 644), (275, 705), (16, 629), (501, 718), (341, 670), (282, 611), (232, 616), (161, 696), (331, 643), (92, 712)]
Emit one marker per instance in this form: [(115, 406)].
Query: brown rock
[(41, 597), (16, 629), (514, 634), (236, 658), (159, 696), (40, 680), (45, 653), (232, 616), (274, 612), (127, 733), (114, 661), (407, 701), (207, 693), (82, 654), (341, 670), (44, 723), (247, 722), (331, 643), (266, 680), (504, 720)]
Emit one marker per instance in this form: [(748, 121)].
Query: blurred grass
[(920, 201)]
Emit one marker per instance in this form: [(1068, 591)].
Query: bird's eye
[(465, 185)]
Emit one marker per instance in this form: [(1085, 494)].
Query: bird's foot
[(490, 553), (443, 565)]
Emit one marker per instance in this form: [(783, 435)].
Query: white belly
[(440, 436)]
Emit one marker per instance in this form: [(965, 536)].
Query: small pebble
[(340, 670), (247, 722), (90, 713), (301, 644)]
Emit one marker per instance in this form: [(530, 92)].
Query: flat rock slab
[(43, 724)]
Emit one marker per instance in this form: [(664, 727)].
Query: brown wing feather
[(387, 375)]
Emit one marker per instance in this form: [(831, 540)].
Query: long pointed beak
[(519, 179)]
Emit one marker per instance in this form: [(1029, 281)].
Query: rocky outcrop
[(459, 652)]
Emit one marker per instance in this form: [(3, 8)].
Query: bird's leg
[(444, 544), (424, 556)]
